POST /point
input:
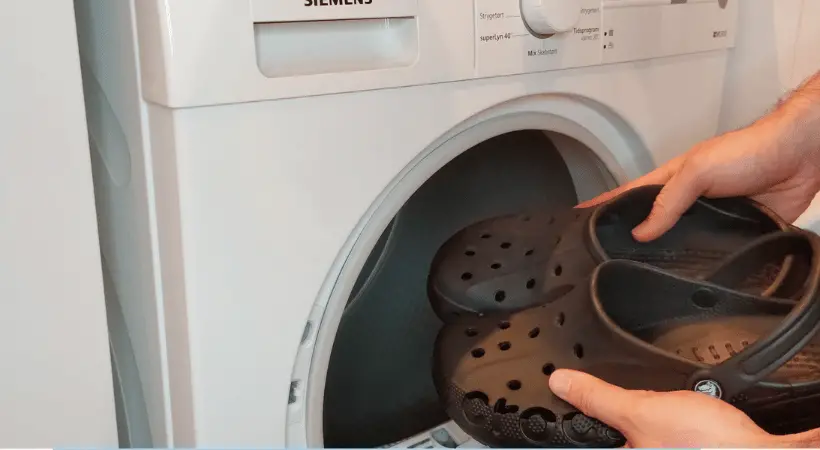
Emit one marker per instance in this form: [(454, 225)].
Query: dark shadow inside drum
[(708, 232), (379, 388)]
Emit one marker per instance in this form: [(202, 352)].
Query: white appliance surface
[(55, 384), (249, 155)]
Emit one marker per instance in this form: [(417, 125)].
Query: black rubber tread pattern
[(508, 426)]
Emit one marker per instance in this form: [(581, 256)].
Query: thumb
[(594, 397), (678, 195)]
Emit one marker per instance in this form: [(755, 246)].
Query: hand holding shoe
[(775, 161)]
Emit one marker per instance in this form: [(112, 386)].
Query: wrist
[(809, 439), (795, 122)]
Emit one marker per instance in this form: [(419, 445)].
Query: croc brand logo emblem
[(709, 387)]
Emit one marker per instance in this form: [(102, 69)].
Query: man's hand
[(775, 161), (647, 419)]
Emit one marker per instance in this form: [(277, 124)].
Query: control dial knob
[(546, 17)]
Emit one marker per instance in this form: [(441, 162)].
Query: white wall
[(778, 46), (807, 62), (55, 374), (761, 65)]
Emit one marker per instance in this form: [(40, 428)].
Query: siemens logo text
[(337, 2)]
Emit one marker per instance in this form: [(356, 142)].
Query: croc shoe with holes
[(506, 263), (639, 327), (735, 329)]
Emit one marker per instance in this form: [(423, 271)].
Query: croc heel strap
[(759, 360)]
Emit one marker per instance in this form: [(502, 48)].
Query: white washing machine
[(274, 176)]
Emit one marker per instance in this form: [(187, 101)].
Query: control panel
[(229, 51), (515, 36), (548, 17), (521, 36)]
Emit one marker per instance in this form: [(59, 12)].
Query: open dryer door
[(379, 390)]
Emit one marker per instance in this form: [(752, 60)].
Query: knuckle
[(661, 203), (661, 207), (695, 170), (584, 398)]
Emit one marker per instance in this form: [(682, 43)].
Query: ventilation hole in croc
[(534, 333), (531, 283), (475, 406), (486, 236), (505, 245), (578, 350), (503, 324), (713, 351), (558, 292), (477, 395), (495, 266), (558, 270), (548, 368), (558, 240), (552, 220), (477, 352), (500, 296), (559, 320), (730, 349), (471, 332), (501, 407), (466, 276), (744, 343), (514, 385), (504, 346), (470, 252), (704, 298), (536, 424), (529, 252)]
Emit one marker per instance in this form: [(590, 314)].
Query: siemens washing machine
[(274, 176)]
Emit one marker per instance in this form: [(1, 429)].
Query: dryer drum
[(378, 388), (731, 283)]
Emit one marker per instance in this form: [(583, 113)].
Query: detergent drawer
[(227, 51)]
